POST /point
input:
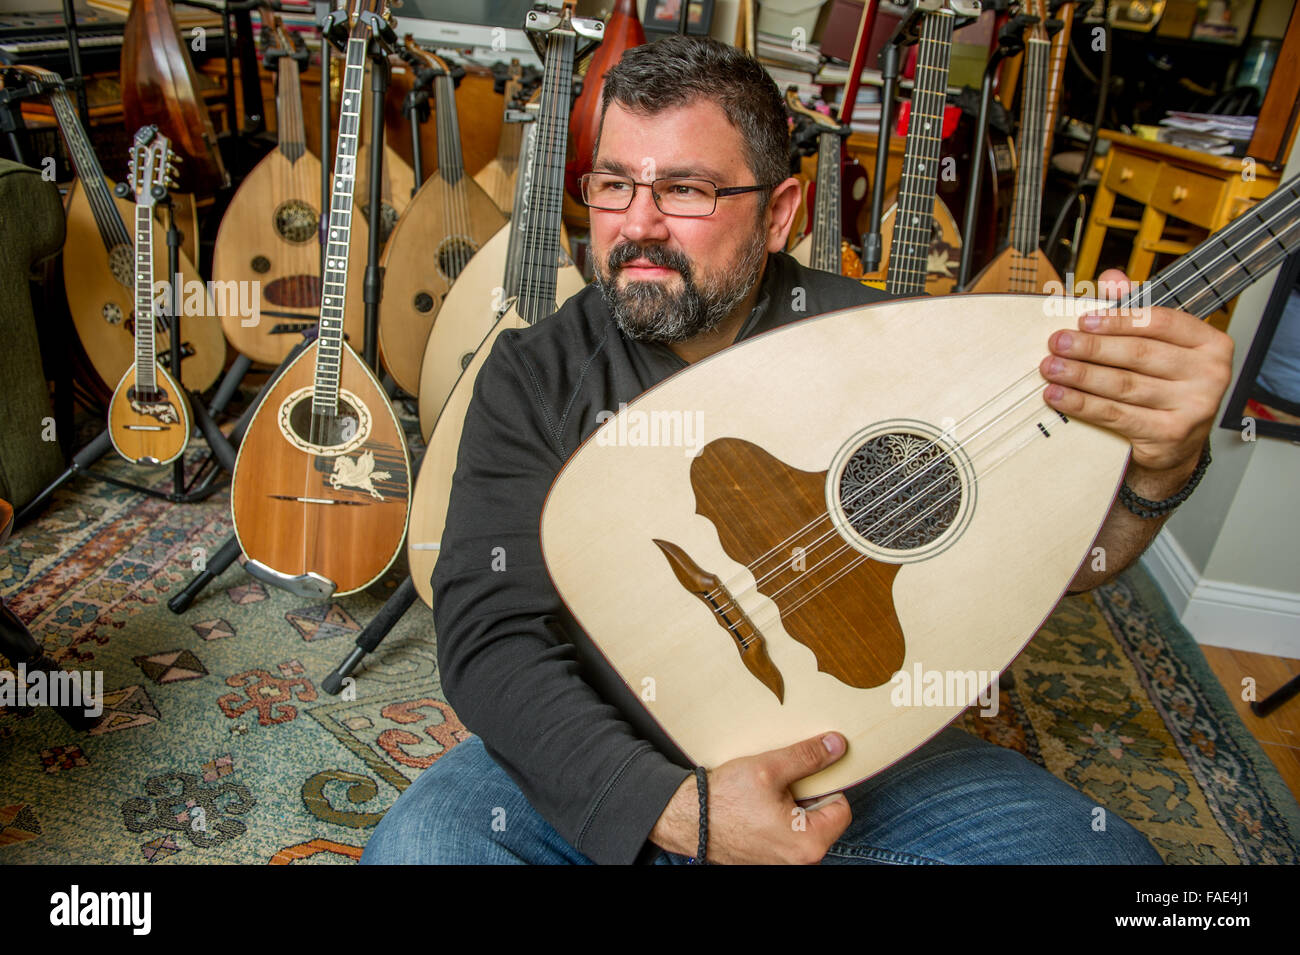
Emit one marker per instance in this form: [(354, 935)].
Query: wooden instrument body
[(149, 429), (101, 299), (806, 396), (269, 235), (944, 258), (420, 267), (433, 485), (497, 178), (351, 541), (159, 87), (469, 313), (1013, 271)]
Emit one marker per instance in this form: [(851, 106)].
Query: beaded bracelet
[(702, 785), (1144, 508)]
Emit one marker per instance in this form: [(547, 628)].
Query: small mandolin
[(321, 487), (149, 416)]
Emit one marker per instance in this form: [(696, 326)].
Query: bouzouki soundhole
[(318, 434), (296, 221), (901, 491)]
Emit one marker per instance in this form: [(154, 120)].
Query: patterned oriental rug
[(219, 746)]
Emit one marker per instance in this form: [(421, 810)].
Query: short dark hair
[(676, 70)]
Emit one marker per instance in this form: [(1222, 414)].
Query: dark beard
[(648, 312)]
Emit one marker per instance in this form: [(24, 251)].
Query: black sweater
[(514, 664)]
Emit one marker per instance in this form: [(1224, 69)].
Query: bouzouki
[(1022, 266), (97, 257), (920, 247), (321, 487), (877, 517), (268, 237), (446, 223), (149, 415), (539, 223)]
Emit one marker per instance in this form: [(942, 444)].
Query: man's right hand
[(753, 817)]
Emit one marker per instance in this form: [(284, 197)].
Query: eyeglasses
[(673, 196)]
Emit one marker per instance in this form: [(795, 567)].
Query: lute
[(321, 487), (269, 235), (539, 223), (149, 415), (1022, 266), (97, 258), (880, 513), (446, 223)]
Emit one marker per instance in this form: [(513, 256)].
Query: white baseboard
[(1220, 614)]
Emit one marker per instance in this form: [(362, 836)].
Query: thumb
[(1113, 285), (805, 757)]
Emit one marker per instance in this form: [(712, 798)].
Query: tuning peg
[(178, 159)]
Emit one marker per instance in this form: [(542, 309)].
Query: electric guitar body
[(268, 236), (149, 426), (331, 505), (469, 313), (433, 485), (100, 297), (870, 495)]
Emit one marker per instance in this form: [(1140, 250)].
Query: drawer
[(1188, 195), (1131, 176)]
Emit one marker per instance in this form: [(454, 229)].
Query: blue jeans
[(955, 800)]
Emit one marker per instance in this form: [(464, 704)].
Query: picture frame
[(1272, 366), (663, 16)]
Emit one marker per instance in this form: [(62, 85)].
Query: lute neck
[(826, 209), (1025, 223), (112, 231), (1205, 279), (288, 104), (451, 163), (519, 216), (914, 218), (540, 254)]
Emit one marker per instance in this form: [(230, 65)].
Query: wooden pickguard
[(772, 519)]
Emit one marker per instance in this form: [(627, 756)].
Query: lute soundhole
[(295, 221), (454, 253), (902, 491), (121, 262), (387, 219)]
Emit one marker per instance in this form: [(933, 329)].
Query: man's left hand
[(1154, 375)]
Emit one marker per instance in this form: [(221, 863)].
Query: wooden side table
[(1197, 188)]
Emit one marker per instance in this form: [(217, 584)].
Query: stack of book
[(789, 66), (1207, 132)]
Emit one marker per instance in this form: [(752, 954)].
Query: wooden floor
[(1279, 732)]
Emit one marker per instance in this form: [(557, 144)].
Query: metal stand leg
[(373, 634)]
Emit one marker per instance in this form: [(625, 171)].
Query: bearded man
[(691, 207)]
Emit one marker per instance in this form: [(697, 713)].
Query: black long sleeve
[(516, 667)]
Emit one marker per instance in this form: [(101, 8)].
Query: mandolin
[(1022, 266), (149, 415), (835, 207), (97, 257), (872, 521), (268, 238), (446, 223), (321, 487), (920, 248), (537, 222)]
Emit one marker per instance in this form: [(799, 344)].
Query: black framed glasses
[(674, 195)]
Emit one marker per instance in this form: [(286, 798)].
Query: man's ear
[(782, 206)]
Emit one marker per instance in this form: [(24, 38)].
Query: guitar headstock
[(807, 113), (152, 165)]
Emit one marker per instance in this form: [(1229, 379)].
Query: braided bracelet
[(702, 785), (1144, 508)]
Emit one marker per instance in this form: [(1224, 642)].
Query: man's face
[(670, 278)]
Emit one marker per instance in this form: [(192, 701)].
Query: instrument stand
[(220, 447), (890, 54), (11, 119), (74, 54), (416, 109), (1010, 42)]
